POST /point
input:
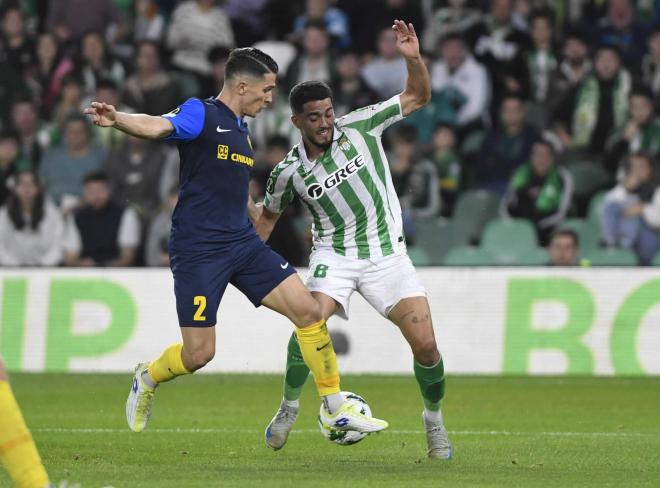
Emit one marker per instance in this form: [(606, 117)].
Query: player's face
[(316, 122), (258, 92)]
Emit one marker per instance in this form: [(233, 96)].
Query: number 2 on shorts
[(320, 271), (200, 301)]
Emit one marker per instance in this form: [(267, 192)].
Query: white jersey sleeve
[(279, 188), (374, 118)]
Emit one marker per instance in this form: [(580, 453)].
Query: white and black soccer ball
[(346, 437)]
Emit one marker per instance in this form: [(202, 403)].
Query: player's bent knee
[(199, 357), (308, 313), (426, 352)]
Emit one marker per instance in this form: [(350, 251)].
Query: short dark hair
[(608, 47), (249, 60), (76, 117), (542, 13), (308, 91), (568, 232), (316, 24), (639, 90), (107, 84), (98, 176)]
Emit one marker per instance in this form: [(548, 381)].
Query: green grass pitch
[(207, 431)]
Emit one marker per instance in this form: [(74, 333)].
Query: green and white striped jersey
[(348, 190)]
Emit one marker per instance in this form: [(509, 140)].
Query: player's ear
[(295, 120), (242, 87)]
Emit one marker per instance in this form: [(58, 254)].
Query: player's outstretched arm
[(138, 125), (418, 85), (266, 223)]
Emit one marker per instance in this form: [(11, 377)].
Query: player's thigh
[(199, 283), (291, 299), (389, 280), (335, 278)]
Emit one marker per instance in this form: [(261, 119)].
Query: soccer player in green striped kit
[(340, 172)]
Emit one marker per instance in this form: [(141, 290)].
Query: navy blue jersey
[(216, 162)]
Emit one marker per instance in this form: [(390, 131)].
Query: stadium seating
[(509, 236), (435, 237), (469, 256), (588, 231), (534, 256), (418, 256), (611, 257), (474, 209)]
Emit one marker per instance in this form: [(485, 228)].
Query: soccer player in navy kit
[(213, 242)]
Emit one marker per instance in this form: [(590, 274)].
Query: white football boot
[(437, 439), (349, 417), (140, 401), (278, 430)]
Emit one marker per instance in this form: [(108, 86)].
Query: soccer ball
[(347, 437)]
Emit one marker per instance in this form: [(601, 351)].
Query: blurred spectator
[(574, 67), (505, 147), (641, 132), (148, 23), (15, 45), (455, 18), (369, 17), (620, 29), (195, 27), (315, 61), (108, 92), (97, 63), (249, 19), (275, 120), (589, 112), (213, 84), (350, 91), (48, 73), (460, 84), (630, 215), (415, 179), (564, 248), (386, 74), (285, 241), (10, 162), (541, 60), (10, 86), (651, 66), (64, 167), (25, 120), (158, 237), (150, 90), (540, 191), (31, 226), (101, 232), (448, 166), (134, 170), (502, 47), (334, 19), (70, 102), (70, 19)]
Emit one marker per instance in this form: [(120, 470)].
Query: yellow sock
[(319, 356), (169, 365), (17, 450)]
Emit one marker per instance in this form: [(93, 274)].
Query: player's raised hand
[(406, 39), (102, 114)]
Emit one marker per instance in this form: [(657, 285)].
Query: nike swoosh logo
[(323, 347), (218, 129), (284, 266)]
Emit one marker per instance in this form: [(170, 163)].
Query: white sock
[(291, 403), (432, 416), (147, 379), (333, 402)]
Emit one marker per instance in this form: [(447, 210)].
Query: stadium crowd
[(542, 124)]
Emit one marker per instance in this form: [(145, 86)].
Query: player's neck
[(314, 151), (233, 104)]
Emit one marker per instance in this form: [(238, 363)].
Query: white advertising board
[(487, 321)]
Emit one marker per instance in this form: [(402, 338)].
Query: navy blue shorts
[(200, 279)]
